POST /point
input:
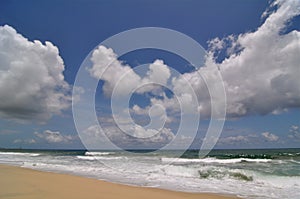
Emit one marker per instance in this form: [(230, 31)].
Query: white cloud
[(32, 83), (107, 68), (116, 74), (125, 80), (261, 73), (158, 73), (216, 44), (94, 137), (137, 134), (140, 111), (294, 132), (26, 141), (270, 137), (155, 111), (263, 76), (54, 137), (294, 128), (248, 139), (239, 138)]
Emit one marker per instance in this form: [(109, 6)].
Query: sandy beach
[(22, 183)]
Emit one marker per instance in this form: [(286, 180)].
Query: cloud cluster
[(294, 132), (54, 137), (25, 141), (32, 83), (249, 139), (116, 74), (260, 74), (48, 136), (270, 136), (233, 139), (239, 139), (123, 81), (96, 138)]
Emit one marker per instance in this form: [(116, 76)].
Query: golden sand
[(22, 183)]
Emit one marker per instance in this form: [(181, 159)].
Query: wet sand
[(22, 183)]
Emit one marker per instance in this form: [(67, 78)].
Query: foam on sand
[(25, 183)]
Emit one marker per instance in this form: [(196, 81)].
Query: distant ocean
[(265, 173)]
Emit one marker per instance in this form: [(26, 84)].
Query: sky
[(254, 45)]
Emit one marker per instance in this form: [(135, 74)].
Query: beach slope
[(22, 183)]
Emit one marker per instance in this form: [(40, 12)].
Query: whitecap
[(94, 153)]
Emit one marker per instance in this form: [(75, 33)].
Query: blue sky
[(77, 27)]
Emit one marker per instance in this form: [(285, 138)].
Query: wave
[(86, 157), (92, 153), (225, 174), (209, 172), (248, 156), (98, 158), (20, 154), (294, 161), (212, 160), (289, 154)]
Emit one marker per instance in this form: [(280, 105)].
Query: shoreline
[(24, 183)]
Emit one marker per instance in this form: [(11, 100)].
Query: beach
[(257, 174), (23, 183)]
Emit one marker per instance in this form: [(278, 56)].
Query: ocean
[(257, 174)]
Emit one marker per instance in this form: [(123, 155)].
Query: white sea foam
[(254, 180), (212, 160), (295, 161), (86, 157), (20, 154), (99, 158), (183, 171), (92, 153)]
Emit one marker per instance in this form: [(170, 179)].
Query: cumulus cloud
[(116, 74), (260, 74), (261, 77), (54, 137), (294, 128), (32, 84), (25, 141), (270, 137), (96, 138), (140, 111), (294, 132), (249, 139), (155, 111), (123, 80), (239, 139), (231, 139)]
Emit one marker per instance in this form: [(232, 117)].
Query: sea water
[(263, 173)]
